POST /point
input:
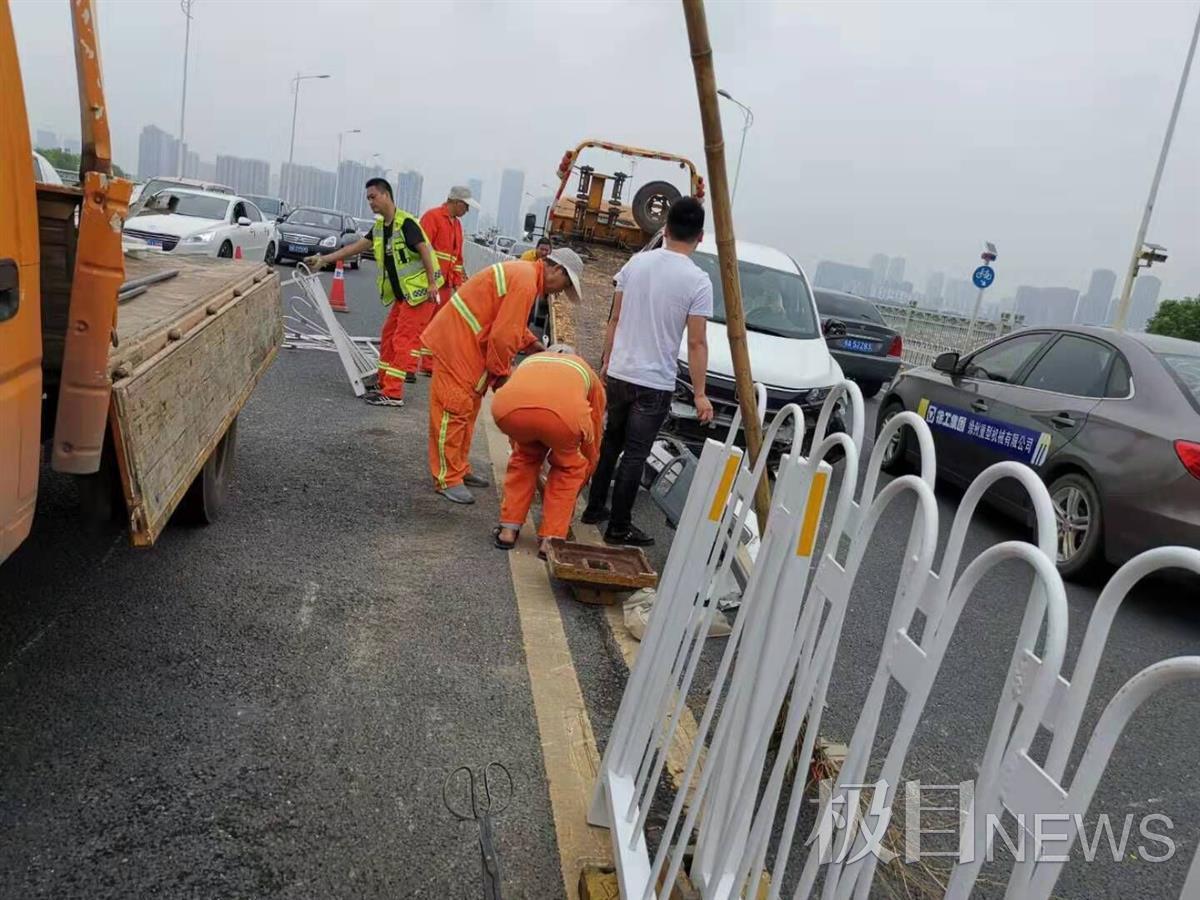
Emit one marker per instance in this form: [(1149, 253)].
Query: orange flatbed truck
[(137, 398)]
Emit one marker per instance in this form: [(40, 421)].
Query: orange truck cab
[(137, 390)]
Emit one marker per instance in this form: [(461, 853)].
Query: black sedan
[(867, 350), (310, 230), (1109, 420)]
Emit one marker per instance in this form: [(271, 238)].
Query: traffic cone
[(337, 296), (237, 252)]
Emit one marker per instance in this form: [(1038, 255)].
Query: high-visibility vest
[(410, 269)]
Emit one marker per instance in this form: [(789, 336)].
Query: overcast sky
[(910, 129)]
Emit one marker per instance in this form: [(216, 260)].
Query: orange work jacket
[(446, 237), (478, 332)]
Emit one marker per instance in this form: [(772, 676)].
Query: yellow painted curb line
[(565, 731)]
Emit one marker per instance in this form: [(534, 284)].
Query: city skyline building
[(1046, 305), (895, 270), (508, 212), (307, 185), (158, 153), (45, 139), (878, 267), (933, 288), (351, 187), (838, 276), (1094, 302), (410, 186), (1144, 301), (244, 175), (470, 221)]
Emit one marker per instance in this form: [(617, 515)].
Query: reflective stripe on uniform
[(481, 384), (389, 370), (551, 358), (465, 311), (440, 255), (501, 280), (441, 476)]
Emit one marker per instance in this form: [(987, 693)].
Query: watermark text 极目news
[(938, 822)]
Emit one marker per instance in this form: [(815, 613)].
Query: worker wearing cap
[(552, 409), (446, 234), (541, 251), (474, 340), (406, 276)]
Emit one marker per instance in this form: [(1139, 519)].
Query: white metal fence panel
[(926, 332)]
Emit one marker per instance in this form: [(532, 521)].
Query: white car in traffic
[(204, 223)]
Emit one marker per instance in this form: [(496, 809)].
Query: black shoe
[(410, 378), (632, 537), (594, 517), (475, 481)]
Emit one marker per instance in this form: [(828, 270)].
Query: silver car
[(1110, 420)]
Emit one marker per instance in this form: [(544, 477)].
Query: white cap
[(463, 193), (569, 260)]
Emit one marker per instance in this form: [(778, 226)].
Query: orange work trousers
[(424, 354), (400, 345), (453, 408), (537, 435)]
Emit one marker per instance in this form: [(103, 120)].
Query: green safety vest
[(410, 270)]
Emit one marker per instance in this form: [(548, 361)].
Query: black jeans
[(635, 415)]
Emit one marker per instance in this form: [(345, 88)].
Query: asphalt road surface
[(267, 707)]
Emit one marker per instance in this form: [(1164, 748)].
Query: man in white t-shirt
[(659, 294)]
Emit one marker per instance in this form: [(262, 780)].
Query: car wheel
[(270, 256), (204, 500), (1080, 524), (895, 455), (226, 251), (869, 388)]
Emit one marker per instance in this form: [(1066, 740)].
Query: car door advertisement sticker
[(1022, 444)]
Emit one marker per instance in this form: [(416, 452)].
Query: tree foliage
[(1177, 318), (62, 159)]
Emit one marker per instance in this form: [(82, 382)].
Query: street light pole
[(186, 7), (748, 120), (1140, 240), (337, 177), (292, 147)]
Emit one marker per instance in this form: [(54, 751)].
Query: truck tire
[(651, 202), (204, 500)]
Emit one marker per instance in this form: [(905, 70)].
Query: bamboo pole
[(718, 188)]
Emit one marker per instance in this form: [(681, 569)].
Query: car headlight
[(330, 241), (204, 237)]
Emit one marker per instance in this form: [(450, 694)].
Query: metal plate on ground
[(601, 566)]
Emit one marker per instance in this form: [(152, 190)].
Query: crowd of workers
[(467, 333)]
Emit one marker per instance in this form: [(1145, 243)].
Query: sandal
[(504, 545)]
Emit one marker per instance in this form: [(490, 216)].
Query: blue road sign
[(984, 276)]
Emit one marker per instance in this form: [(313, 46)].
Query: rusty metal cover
[(621, 567)]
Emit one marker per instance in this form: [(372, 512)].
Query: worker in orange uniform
[(445, 232), (474, 340), (551, 408)]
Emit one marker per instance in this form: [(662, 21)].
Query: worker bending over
[(404, 270), (552, 408), (443, 225), (474, 341)]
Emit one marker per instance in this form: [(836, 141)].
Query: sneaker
[(377, 399), (457, 493), (476, 481), (631, 537), (428, 373), (410, 378), (595, 517)]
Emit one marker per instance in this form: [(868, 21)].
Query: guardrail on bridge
[(928, 332)]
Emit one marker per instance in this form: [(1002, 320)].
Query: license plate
[(297, 248), (860, 346), (156, 244)]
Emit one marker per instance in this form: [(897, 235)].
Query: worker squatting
[(466, 333)]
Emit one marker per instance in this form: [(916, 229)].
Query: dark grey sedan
[(1110, 420), (867, 350)]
